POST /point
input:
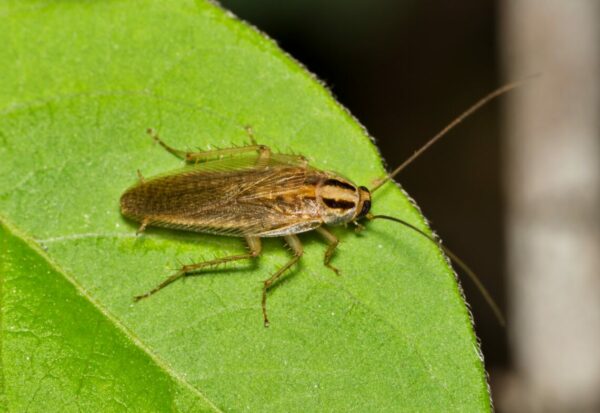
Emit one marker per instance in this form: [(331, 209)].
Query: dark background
[(405, 69)]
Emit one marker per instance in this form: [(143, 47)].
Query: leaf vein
[(114, 320)]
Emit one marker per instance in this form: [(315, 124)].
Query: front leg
[(333, 243)]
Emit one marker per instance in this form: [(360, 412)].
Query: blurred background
[(515, 190)]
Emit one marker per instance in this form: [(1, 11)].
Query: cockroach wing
[(238, 196)]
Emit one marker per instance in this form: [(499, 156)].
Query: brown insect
[(252, 192)]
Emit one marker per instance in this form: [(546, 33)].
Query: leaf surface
[(80, 84)]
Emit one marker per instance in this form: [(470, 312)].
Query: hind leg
[(294, 242), (187, 270), (264, 152)]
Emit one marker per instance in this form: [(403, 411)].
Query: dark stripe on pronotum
[(339, 184), (341, 204)]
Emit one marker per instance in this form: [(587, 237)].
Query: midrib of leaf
[(114, 321)]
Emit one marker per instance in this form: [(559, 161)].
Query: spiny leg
[(293, 160), (263, 155), (143, 226), (140, 176), (333, 243), (263, 151), (264, 158), (250, 133), (253, 244), (294, 243)]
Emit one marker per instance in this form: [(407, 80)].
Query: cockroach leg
[(254, 245), (142, 227), (140, 176), (250, 133), (359, 227), (333, 243), (295, 160), (294, 242), (264, 152), (178, 153)]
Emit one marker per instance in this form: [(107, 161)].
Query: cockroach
[(253, 193)]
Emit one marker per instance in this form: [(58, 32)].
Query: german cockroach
[(251, 192)]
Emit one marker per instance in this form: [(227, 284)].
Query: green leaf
[(80, 84)]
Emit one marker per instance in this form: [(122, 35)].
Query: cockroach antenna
[(379, 183), (455, 259), (474, 108)]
